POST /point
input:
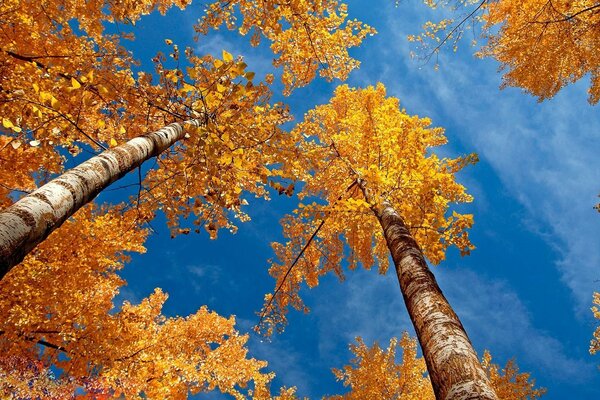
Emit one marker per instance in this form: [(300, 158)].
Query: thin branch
[(568, 17), (289, 270), (449, 35)]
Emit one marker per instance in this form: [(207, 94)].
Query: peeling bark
[(453, 365), (30, 220)]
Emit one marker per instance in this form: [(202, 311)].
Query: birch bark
[(452, 363), (30, 220)]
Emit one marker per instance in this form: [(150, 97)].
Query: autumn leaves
[(397, 207), (371, 188)]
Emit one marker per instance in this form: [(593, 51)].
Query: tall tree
[(374, 373), (66, 85), (396, 201), (230, 153)]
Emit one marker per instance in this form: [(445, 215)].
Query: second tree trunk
[(453, 365)]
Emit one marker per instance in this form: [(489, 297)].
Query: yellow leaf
[(103, 90), (237, 162), (36, 111), (227, 57), (113, 142), (75, 83), (9, 125), (187, 88), (226, 159), (6, 123), (122, 130)]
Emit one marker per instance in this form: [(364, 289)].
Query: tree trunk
[(30, 220), (453, 365)]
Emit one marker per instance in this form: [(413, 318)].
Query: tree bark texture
[(30, 220), (453, 365)]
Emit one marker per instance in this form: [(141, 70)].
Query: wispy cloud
[(371, 306), (545, 154), (497, 319), (283, 357), (202, 276)]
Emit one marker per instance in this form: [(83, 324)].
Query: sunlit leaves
[(19, 162), (508, 382), (364, 135), (232, 154), (541, 45), (58, 311), (307, 36), (374, 372), (544, 46)]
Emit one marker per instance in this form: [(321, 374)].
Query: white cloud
[(285, 358), (497, 319), (203, 276), (366, 304)]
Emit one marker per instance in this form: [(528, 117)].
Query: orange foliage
[(57, 310), (595, 344), (307, 35), (545, 46), (541, 45), (375, 374)]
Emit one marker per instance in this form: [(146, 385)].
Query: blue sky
[(525, 292)]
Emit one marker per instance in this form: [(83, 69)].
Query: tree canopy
[(363, 134), (542, 46)]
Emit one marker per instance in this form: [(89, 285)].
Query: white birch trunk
[(30, 220), (453, 365)]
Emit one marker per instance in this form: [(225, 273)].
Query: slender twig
[(449, 35), (289, 270)]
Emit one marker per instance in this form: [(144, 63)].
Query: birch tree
[(70, 89), (229, 153), (395, 202), (58, 311), (67, 87)]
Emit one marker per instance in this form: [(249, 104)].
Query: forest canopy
[(176, 176)]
